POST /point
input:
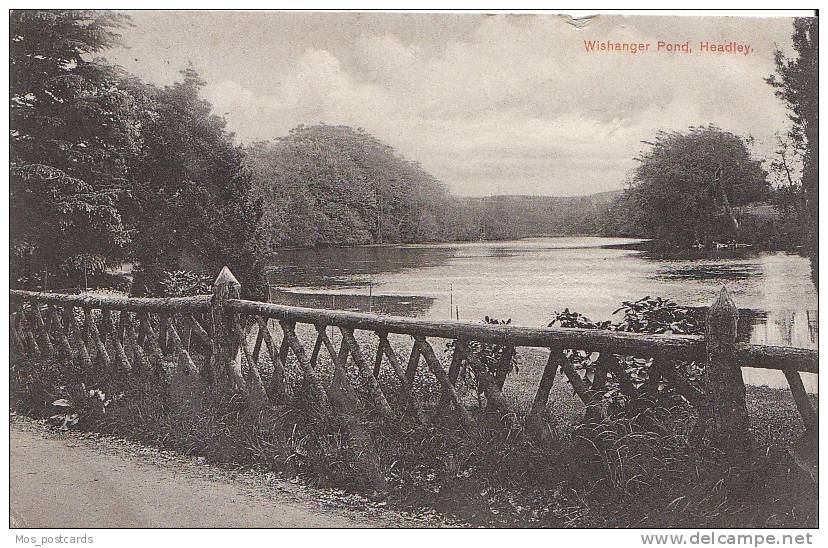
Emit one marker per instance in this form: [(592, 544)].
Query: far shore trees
[(335, 185), (688, 183)]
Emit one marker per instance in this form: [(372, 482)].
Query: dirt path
[(70, 480)]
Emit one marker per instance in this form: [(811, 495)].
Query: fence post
[(226, 349), (725, 411)]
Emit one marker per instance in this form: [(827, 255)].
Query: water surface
[(528, 280)]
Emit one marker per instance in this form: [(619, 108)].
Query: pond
[(528, 280)]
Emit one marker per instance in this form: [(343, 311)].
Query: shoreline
[(642, 243)]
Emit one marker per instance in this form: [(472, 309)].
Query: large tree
[(797, 83), (105, 167), (687, 184), (193, 206), (73, 134)]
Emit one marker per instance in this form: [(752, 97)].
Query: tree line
[(326, 185), (107, 169)]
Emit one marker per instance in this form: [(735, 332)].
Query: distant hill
[(520, 216)]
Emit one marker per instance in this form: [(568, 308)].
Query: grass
[(624, 472)]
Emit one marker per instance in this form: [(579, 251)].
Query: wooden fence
[(135, 334)]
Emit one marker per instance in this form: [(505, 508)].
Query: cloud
[(514, 104)]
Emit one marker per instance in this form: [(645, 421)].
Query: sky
[(489, 104)]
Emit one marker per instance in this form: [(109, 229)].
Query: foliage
[(184, 283), (193, 206), (511, 217), (646, 315), (60, 222), (687, 183), (69, 111), (72, 136), (80, 407), (335, 185), (123, 169), (170, 283), (490, 356), (623, 216), (658, 315), (360, 191), (797, 83)]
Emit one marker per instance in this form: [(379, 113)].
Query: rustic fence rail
[(144, 334)]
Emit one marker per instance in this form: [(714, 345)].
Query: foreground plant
[(630, 383)]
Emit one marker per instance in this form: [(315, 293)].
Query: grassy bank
[(624, 472)]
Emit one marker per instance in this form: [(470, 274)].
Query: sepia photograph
[(345, 269)]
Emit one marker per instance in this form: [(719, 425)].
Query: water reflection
[(348, 267), (714, 271), (785, 328), (412, 306)]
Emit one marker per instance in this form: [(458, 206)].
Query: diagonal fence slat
[(152, 348), (101, 353), (394, 360), (378, 361), (276, 388), (535, 419), (121, 359), (311, 375), (578, 384), (504, 366), (185, 362), (84, 361), (413, 362), (136, 351), (366, 374), (803, 403), (257, 347), (28, 334), (45, 340), (412, 401), (14, 336), (253, 382), (437, 370), (317, 346), (454, 370), (346, 395)]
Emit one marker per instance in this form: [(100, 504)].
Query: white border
[(268, 538)]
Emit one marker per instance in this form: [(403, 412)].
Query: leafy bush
[(185, 283), (657, 315), (677, 381), (152, 281), (83, 405), (490, 355)]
